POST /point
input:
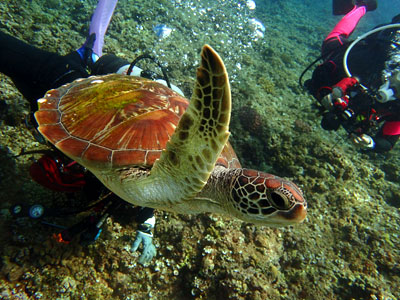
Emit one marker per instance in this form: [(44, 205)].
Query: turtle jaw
[(296, 215), (278, 219)]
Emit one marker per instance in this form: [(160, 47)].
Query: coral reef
[(251, 120)]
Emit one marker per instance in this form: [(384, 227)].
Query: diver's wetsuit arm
[(144, 214), (35, 71), (108, 64), (146, 220), (111, 63)]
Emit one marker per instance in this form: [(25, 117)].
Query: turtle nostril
[(279, 201)]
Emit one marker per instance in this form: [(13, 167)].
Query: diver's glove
[(144, 235), (363, 141), (327, 102)]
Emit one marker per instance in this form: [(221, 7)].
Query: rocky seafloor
[(348, 247)]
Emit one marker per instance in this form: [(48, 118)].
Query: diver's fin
[(342, 7), (370, 5), (396, 19), (92, 49), (99, 23)]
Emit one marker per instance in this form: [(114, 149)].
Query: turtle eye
[(280, 201)]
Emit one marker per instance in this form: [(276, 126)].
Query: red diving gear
[(391, 128), (52, 174), (340, 92), (343, 85)]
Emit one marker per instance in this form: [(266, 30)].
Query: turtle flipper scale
[(190, 155)]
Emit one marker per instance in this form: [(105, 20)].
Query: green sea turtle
[(153, 148)]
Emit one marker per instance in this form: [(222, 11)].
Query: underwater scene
[(347, 246)]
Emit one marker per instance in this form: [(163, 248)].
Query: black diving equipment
[(390, 90), (395, 53), (149, 74), (89, 228)]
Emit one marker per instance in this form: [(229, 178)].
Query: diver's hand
[(363, 141), (327, 102), (332, 100), (149, 250)]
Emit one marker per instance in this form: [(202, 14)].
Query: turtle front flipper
[(190, 155)]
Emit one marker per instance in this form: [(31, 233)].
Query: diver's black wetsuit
[(35, 71)]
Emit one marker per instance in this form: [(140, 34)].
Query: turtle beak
[(296, 214)]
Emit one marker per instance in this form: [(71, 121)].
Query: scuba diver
[(358, 83), (35, 71)]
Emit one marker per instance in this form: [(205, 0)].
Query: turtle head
[(265, 199)]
